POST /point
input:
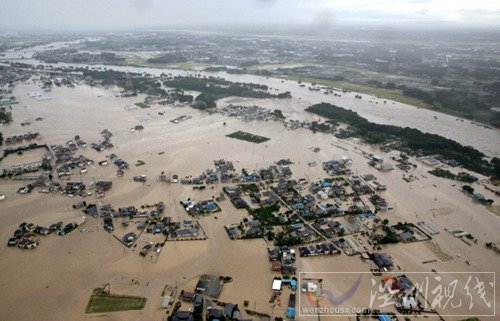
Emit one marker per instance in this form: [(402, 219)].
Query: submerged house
[(382, 260), (183, 316)]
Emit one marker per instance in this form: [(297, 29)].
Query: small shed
[(386, 166), (277, 284)]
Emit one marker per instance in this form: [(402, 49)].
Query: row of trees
[(213, 89), (5, 116), (414, 139)]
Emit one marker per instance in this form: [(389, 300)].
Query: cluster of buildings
[(74, 163), (379, 202), (200, 208), (27, 235), (24, 237), (106, 210), (187, 229), (105, 143), (74, 188), (249, 113), (330, 228), (67, 162), (17, 139), (378, 162), (148, 219), (282, 259), (225, 169), (209, 177), (263, 198), (224, 172), (120, 163), (102, 186), (294, 211), (350, 195), (338, 167), (64, 152), (403, 162), (203, 302), (276, 172), (326, 248)]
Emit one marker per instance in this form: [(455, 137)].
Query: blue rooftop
[(290, 313), (384, 317), (211, 206)]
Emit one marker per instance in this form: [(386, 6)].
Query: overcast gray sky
[(131, 14)]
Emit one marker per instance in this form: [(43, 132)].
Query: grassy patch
[(185, 65), (133, 60), (101, 302), (248, 137), (142, 105)]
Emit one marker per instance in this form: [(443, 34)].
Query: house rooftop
[(183, 316), (209, 285)]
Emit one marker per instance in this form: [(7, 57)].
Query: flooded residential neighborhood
[(249, 170)]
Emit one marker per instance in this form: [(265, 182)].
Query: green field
[(391, 94), (142, 105), (133, 60), (248, 137), (101, 302)]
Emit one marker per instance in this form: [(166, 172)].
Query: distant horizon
[(324, 15), (303, 29)]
